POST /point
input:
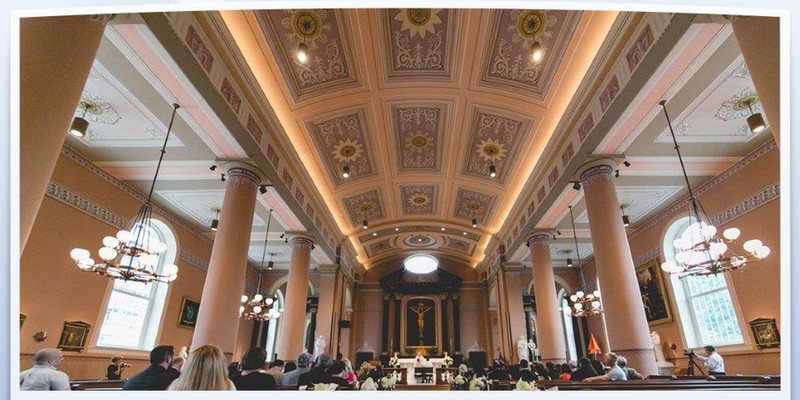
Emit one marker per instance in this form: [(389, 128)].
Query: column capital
[(600, 168), (303, 240), (104, 18), (539, 238), (241, 171), (443, 295)]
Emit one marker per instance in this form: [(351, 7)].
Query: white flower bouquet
[(522, 385), (369, 384), (447, 361), (394, 362), (479, 384), (388, 382)]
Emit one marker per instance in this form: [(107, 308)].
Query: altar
[(409, 363)]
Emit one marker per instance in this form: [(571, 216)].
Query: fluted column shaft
[(551, 330), (49, 98), (628, 332), (294, 313), (218, 317)]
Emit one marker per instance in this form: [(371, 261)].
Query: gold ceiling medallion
[(347, 150), (90, 107), (419, 200), (306, 24), (530, 23), (419, 142), (745, 102), (490, 150), (419, 16), (366, 207), (418, 21), (473, 206)]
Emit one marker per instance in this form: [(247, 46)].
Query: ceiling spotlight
[(419, 239), (569, 262), (302, 52), (365, 224), (616, 174), (626, 163), (755, 121), (536, 52), (346, 171), (625, 219), (576, 185), (282, 235), (214, 224), (262, 189), (492, 171), (474, 223), (443, 228), (79, 125), (213, 167), (286, 240), (270, 264), (397, 229), (374, 233), (465, 233), (222, 177)]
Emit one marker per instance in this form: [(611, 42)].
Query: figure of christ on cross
[(420, 309)]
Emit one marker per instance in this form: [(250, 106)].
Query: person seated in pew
[(44, 375), (154, 377), (253, 375), (290, 378), (598, 367), (541, 372), (276, 370), (585, 370), (498, 373), (205, 370), (566, 372), (174, 370), (614, 374), (525, 372), (629, 372), (376, 373), (317, 374), (338, 374)]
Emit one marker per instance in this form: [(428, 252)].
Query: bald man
[(44, 375)]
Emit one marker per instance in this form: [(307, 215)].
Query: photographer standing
[(114, 371), (713, 361)]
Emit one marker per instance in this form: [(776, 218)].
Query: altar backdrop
[(420, 312)]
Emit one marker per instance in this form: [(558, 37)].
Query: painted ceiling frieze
[(329, 66), (458, 245), (367, 205), (420, 43), (379, 247), (509, 65), (474, 204), (496, 139), (419, 199), (419, 132), (341, 141)]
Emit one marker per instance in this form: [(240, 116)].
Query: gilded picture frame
[(653, 293), (73, 337), (765, 332), (188, 316)]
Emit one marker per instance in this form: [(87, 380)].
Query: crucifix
[(420, 309)]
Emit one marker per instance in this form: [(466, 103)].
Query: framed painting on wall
[(188, 316), (653, 292), (765, 331), (73, 337)]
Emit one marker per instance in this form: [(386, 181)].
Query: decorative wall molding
[(193, 259), (375, 307), (127, 189), (83, 204), (647, 256), (751, 203), (684, 203)]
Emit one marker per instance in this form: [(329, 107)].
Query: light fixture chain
[(663, 104), (575, 237), (175, 107)]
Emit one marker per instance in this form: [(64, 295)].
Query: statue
[(522, 348), (664, 367), (319, 346), (420, 309)]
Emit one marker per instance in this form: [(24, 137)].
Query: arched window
[(566, 319), (272, 327), (133, 314), (707, 313)]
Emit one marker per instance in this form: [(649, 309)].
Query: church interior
[(409, 190)]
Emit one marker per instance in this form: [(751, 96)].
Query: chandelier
[(699, 251), (133, 255), (260, 308), (582, 304)]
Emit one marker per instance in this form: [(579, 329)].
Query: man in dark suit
[(155, 377), (319, 373), (525, 372)]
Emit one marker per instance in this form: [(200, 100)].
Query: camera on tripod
[(688, 353), (125, 365)]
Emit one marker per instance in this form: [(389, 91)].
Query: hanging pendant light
[(755, 121), (700, 251), (133, 255), (536, 52), (79, 125), (260, 308), (584, 303)]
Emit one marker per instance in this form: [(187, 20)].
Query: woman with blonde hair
[(205, 369)]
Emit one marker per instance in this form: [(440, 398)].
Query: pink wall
[(54, 290), (473, 320)]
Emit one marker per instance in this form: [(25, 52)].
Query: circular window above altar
[(421, 264)]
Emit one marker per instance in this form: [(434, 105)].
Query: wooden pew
[(403, 372), (423, 374), (423, 387), (98, 384), (697, 384), (440, 373)]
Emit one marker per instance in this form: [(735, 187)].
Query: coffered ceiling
[(418, 104)]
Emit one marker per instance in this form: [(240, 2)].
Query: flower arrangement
[(394, 362), (369, 384), (447, 361), (522, 385), (531, 345), (479, 383), (388, 382), (325, 386)]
